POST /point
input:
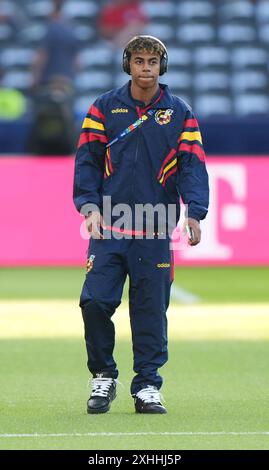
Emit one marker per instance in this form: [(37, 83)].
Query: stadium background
[(216, 380)]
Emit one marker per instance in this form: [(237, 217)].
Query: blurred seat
[(262, 11), (249, 80), (179, 57), (117, 58), (244, 57), (211, 56), (93, 81), (82, 103), (95, 57), (32, 34), (193, 10), (251, 104), (120, 79), (80, 9), (7, 7), (165, 32), (179, 80), (84, 33), (6, 34), (264, 33), (196, 33), (211, 81), (236, 10), (236, 33), (210, 104), (39, 10), (187, 97), (16, 57), (158, 9), (20, 80)]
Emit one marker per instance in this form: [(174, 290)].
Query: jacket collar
[(166, 101)]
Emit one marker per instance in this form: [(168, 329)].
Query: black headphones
[(126, 55)]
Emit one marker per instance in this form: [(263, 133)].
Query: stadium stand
[(212, 44), (218, 51)]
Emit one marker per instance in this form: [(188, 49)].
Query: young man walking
[(139, 145)]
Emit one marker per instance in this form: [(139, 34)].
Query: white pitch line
[(184, 296), (109, 434)]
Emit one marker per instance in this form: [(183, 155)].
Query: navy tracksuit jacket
[(156, 163)]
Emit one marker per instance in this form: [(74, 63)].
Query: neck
[(144, 95)]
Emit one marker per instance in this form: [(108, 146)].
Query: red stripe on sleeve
[(84, 139), (169, 157), (193, 148), (95, 112), (101, 137), (87, 137), (191, 123), (171, 172)]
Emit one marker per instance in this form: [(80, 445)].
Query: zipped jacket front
[(158, 162)]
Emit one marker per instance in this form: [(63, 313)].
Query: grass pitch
[(211, 389), (212, 285), (215, 383)]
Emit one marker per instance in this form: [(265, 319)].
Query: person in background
[(121, 19), (54, 69), (56, 58)]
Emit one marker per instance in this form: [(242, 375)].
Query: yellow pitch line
[(62, 318)]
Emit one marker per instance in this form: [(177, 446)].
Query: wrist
[(193, 218)]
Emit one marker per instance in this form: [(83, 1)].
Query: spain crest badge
[(163, 116)]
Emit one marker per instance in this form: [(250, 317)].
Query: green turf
[(210, 284), (209, 386)]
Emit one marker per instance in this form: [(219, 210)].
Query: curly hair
[(145, 44)]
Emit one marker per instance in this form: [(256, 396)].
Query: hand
[(93, 223), (196, 231)]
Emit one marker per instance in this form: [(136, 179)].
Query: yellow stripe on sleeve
[(173, 163), (90, 123), (191, 136), (107, 170)]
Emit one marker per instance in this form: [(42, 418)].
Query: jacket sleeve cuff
[(197, 212)]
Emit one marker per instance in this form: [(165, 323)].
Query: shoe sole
[(152, 412), (97, 411)]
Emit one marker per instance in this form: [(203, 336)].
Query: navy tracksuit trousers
[(149, 264)]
